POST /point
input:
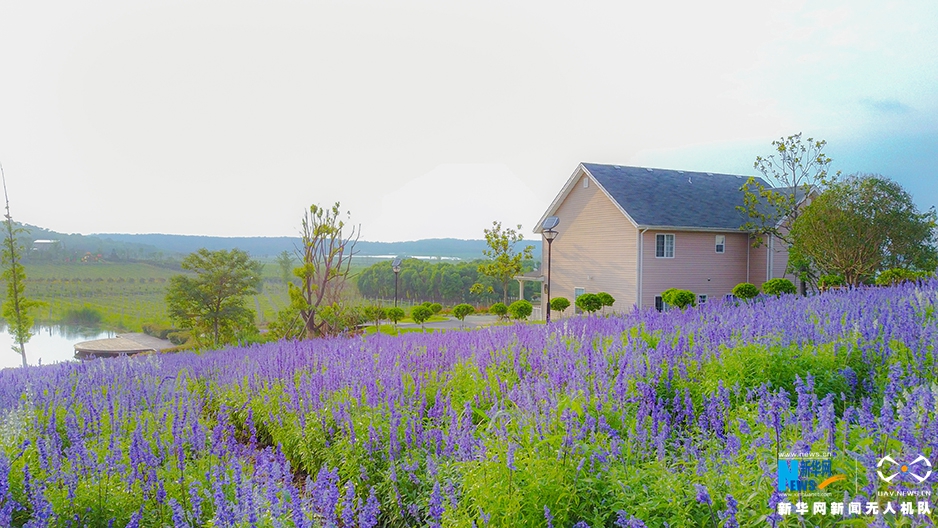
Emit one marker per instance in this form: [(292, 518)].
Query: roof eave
[(571, 182), (694, 229)]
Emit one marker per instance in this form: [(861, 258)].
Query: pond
[(49, 344)]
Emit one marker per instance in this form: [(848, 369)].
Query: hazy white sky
[(431, 119)]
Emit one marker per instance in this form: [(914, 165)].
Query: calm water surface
[(49, 344)]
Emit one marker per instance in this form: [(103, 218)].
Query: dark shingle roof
[(663, 197)]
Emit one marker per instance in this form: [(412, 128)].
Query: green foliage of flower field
[(653, 419)]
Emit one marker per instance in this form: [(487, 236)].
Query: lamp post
[(549, 234), (396, 266)]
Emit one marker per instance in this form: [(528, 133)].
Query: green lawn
[(127, 295)]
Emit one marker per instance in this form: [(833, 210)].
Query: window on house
[(702, 299), (586, 182), (664, 246), (659, 303), (721, 243), (576, 293)]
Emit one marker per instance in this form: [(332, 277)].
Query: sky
[(431, 119)]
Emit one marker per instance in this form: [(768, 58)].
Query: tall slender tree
[(316, 308), (16, 307), (796, 167), (505, 263)]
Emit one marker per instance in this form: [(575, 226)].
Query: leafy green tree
[(420, 314), (864, 224), (505, 263), (395, 314), (605, 300), (499, 309), (460, 311), (745, 291), (680, 298), (481, 290), (212, 303), (589, 302), (520, 309), (778, 287), (559, 304), (16, 308), (286, 263), (436, 308)]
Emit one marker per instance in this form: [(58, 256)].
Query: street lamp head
[(548, 226), (396, 265), (550, 223)]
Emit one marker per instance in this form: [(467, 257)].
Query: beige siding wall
[(594, 250), (758, 269), (780, 260), (696, 265)]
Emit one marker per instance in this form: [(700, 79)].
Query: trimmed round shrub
[(460, 311), (826, 282), (374, 313), (499, 309), (157, 330), (745, 291), (559, 304), (520, 309), (894, 276), (178, 338), (778, 287), (395, 314), (605, 299), (436, 308), (680, 298), (420, 314), (589, 302)]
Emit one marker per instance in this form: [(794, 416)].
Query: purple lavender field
[(653, 419)]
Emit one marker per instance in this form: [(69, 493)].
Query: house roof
[(665, 198)]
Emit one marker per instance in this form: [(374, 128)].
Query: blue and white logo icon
[(919, 469)]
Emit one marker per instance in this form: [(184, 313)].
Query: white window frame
[(576, 293), (702, 298), (720, 244), (665, 246)]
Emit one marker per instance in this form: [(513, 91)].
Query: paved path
[(472, 321)]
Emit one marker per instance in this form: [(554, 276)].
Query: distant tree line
[(443, 282)]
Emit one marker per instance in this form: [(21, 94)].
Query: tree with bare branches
[(316, 307), (794, 169)]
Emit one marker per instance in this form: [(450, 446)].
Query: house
[(634, 232)]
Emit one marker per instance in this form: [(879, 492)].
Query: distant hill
[(271, 246), (55, 246), (160, 247)]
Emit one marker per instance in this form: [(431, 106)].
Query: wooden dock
[(122, 345)]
